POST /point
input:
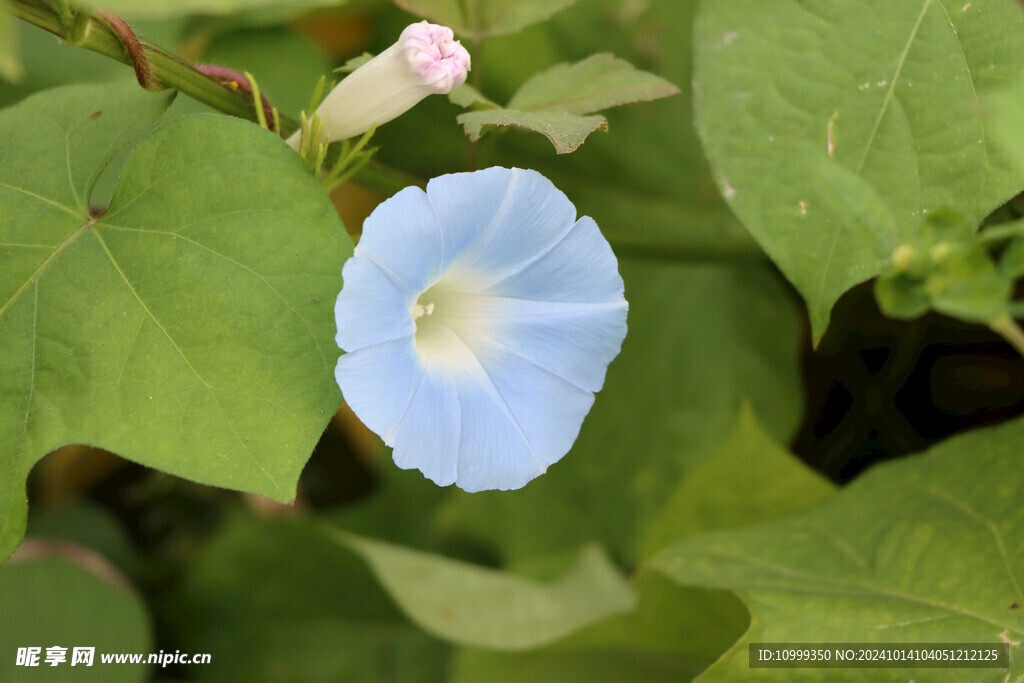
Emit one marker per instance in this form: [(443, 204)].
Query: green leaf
[(843, 196), (87, 525), (750, 479), (702, 340), (565, 131), (489, 608), (647, 184), (1011, 264), (467, 96), (1005, 118), (291, 585), (674, 632), (163, 9), (354, 63), (277, 600), (189, 328), (661, 199), (55, 602), (48, 64), (399, 510), (598, 82), (946, 267), (286, 65), (553, 102), (478, 19), (10, 65), (922, 549), (888, 88)]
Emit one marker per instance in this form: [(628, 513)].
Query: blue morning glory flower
[(478, 319)]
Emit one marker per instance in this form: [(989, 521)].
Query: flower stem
[(1007, 328)]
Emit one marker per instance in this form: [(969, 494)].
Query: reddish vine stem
[(137, 55), (230, 78), (169, 69)]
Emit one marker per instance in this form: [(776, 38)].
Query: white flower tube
[(426, 60)]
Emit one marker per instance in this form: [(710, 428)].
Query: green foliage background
[(167, 278)]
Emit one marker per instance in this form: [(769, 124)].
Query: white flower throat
[(419, 311), (450, 320)]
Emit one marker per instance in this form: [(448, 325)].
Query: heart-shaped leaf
[(924, 549), (889, 89), (190, 327)]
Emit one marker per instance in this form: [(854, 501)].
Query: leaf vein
[(41, 198), (970, 512), (871, 137), (42, 266), (184, 358), (848, 588), (237, 264)]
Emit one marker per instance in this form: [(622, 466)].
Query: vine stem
[(166, 68), (1007, 328), (163, 69)]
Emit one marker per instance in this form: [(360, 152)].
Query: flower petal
[(427, 438), (493, 452), (574, 343), (464, 204), (500, 221), (370, 308), (378, 382), (547, 409), (508, 311), (580, 268), (402, 238), (533, 217)]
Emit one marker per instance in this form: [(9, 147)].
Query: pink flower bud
[(426, 60)]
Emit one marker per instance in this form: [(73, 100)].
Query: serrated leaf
[(467, 96), (662, 200), (565, 131), (189, 328), (888, 88), (554, 102), (51, 601), (598, 82), (924, 549), (478, 19), (354, 63), (474, 605)]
